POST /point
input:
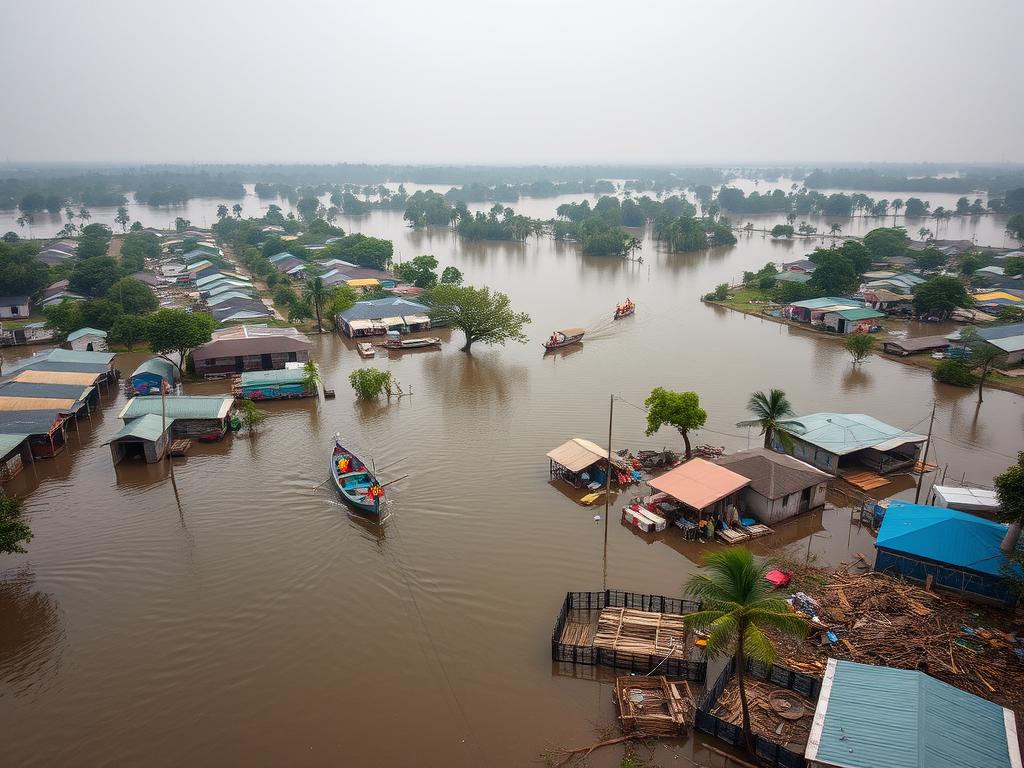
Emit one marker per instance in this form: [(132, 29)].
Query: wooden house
[(14, 307), (780, 486), (146, 437), (87, 340), (250, 348)]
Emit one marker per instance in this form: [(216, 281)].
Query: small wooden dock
[(865, 480), (179, 447)]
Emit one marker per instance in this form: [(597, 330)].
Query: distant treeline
[(994, 180)]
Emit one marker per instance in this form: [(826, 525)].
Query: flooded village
[(464, 421)]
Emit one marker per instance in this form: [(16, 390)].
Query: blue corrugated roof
[(879, 717), (375, 309), (159, 366), (943, 535)]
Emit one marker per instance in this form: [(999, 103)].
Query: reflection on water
[(31, 635), (244, 607)]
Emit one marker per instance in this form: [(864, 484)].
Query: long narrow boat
[(564, 338), (355, 482), (394, 340)]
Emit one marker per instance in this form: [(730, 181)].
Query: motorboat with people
[(564, 338), (356, 483), (625, 309)]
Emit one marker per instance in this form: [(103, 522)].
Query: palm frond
[(756, 645), (787, 623), (722, 635), (701, 620)]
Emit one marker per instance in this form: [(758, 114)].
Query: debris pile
[(873, 618), (654, 705), (778, 714)]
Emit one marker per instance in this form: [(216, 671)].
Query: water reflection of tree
[(31, 633), (473, 379), (855, 378)]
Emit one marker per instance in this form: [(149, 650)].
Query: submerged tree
[(984, 357), (736, 609), (175, 330), (316, 292), (14, 531), (252, 417), (481, 315), (369, 383), (311, 376), (769, 409), (676, 409), (860, 345)]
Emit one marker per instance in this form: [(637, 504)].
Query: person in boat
[(344, 462), (553, 339)]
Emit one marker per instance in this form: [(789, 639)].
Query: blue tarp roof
[(879, 717), (159, 366), (376, 309), (943, 535)]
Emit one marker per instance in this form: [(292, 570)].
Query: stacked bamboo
[(764, 719), (654, 705), (577, 633), (886, 621), (642, 633)]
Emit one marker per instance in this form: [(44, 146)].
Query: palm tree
[(237, 210), (222, 211), (896, 205), (316, 293), (836, 229), (770, 409), (924, 233), (84, 215), (736, 609)]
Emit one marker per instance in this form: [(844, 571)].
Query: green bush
[(721, 293), (369, 382), (953, 372)]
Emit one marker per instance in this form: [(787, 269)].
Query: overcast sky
[(512, 82)]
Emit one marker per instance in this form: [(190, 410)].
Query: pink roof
[(699, 483)]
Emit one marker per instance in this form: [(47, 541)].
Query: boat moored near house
[(250, 348)]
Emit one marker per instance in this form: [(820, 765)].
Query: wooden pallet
[(920, 467), (865, 480), (179, 447)]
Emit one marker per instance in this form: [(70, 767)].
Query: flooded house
[(704, 489), (87, 340), (890, 302), (378, 316), (780, 485), (250, 348), (582, 463), (15, 453), (202, 416), (838, 441), (1007, 338), (151, 374), (44, 430), (857, 320), (146, 437), (813, 310), (905, 347)]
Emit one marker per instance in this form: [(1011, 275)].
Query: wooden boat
[(394, 340), (625, 309), (564, 338), (365, 349), (355, 482)]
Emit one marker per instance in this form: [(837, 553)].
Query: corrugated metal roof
[(699, 483), (57, 377), (9, 442), (49, 389), (843, 433), (282, 376), (179, 407), (86, 332), (75, 356), (944, 535), (773, 475), (378, 308), (60, 404), (148, 427), (859, 314), (827, 301), (159, 366), (36, 422), (52, 365), (879, 717), (967, 499)]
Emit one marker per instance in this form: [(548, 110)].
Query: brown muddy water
[(238, 616)]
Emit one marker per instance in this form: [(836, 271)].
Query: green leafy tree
[(953, 372), (916, 208), (984, 358), (834, 273), (100, 313), (93, 277), (134, 296), (886, 243), (340, 298), (14, 531), (136, 226), (252, 416), (481, 315), (369, 383), (769, 409), (237, 210), (1014, 265), (127, 330), (737, 608), (307, 208), (222, 211), (452, 276), (782, 230), (419, 271), (680, 410), (21, 273), (940, 296), (63, 318), (930, 259), (178, 331), (123, 218), (721, 293), (299, 311), (969, 264), (311, 376), (180, 224), (1015, 226), (860, 345)]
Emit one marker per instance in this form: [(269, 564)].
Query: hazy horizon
[(521, 84)]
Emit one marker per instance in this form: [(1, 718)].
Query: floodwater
[(237, 614)]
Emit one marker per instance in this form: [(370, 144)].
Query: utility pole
[(924, 460), (608, 489)]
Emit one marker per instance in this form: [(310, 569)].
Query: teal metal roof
[(159, 366), (843, 433), (879, 717), (74, 356), (283, 376), (9, 442), (148, 427), (944, 535), (793, 277), (827, 301), (86, 332), (179, 407), (859, 314)]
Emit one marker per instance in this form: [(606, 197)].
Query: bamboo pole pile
[(577, 633), (882, 620), (764, 719), (654, 705), (642, 632)]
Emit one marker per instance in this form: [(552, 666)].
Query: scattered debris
[(778, 714)]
